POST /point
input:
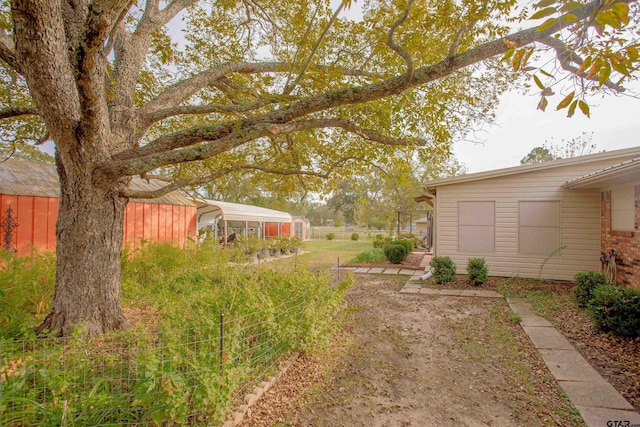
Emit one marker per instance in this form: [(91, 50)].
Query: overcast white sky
[(615, 123)]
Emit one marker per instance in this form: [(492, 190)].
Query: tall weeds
[(172, 367)]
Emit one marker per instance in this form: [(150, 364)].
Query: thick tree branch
[(91, 77), (227, 136), (11, 112), (53, 88), (368, 134), (8, 51), (117, 26), (207, 109), (567, 58), (184, 146), (173, 9), (177, 93), (152, 194), (396, 46)]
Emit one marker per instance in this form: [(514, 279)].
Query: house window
[(476, 226), (623, 209), (538, 227)]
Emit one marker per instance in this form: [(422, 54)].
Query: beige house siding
[(579, 226)]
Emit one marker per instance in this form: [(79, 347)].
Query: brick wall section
[(626, 243)]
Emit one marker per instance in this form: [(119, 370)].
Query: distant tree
[(538, 155), (574, 147)]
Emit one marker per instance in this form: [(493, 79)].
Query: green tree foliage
[(297, 92), (538, 155)]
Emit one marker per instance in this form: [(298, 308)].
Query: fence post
[(222, 343), (338, 269)]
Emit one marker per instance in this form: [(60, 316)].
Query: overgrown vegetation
[(26, 289), (444, 270), (331, 236), (370, 256), (170, 368), (355, 236), (477, 271), (380, 241)]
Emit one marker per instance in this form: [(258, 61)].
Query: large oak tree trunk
[(89, 236)]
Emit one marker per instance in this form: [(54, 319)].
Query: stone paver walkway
[(598, 402), (415, 274)]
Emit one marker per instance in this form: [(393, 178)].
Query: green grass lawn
[(323, 254)]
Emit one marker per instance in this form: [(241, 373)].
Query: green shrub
[(395, 253), (444, 270), (477, 270), (373, 255), (585, 282), (382, 242), (408, 244), (616, 309), (331, 236), (411, 236), (355, 236)]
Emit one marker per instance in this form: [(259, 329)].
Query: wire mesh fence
[(146, 377)]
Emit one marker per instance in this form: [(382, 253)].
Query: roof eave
[(610, 155)]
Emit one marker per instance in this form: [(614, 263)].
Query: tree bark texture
[(89, 235)]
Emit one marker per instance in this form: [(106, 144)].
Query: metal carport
[(225, 218)]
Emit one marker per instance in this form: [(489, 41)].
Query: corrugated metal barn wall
[(36, 218)]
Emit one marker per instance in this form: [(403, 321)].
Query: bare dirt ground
[(407, 360)]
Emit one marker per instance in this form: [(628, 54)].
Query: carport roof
[(240, 212)]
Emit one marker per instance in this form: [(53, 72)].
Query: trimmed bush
[(616, 309), (381, 242), (417, 241), (395, 253), (409, 244), (477, 271), (444, 270), (331, 236), (585, 282), (355, 236)]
